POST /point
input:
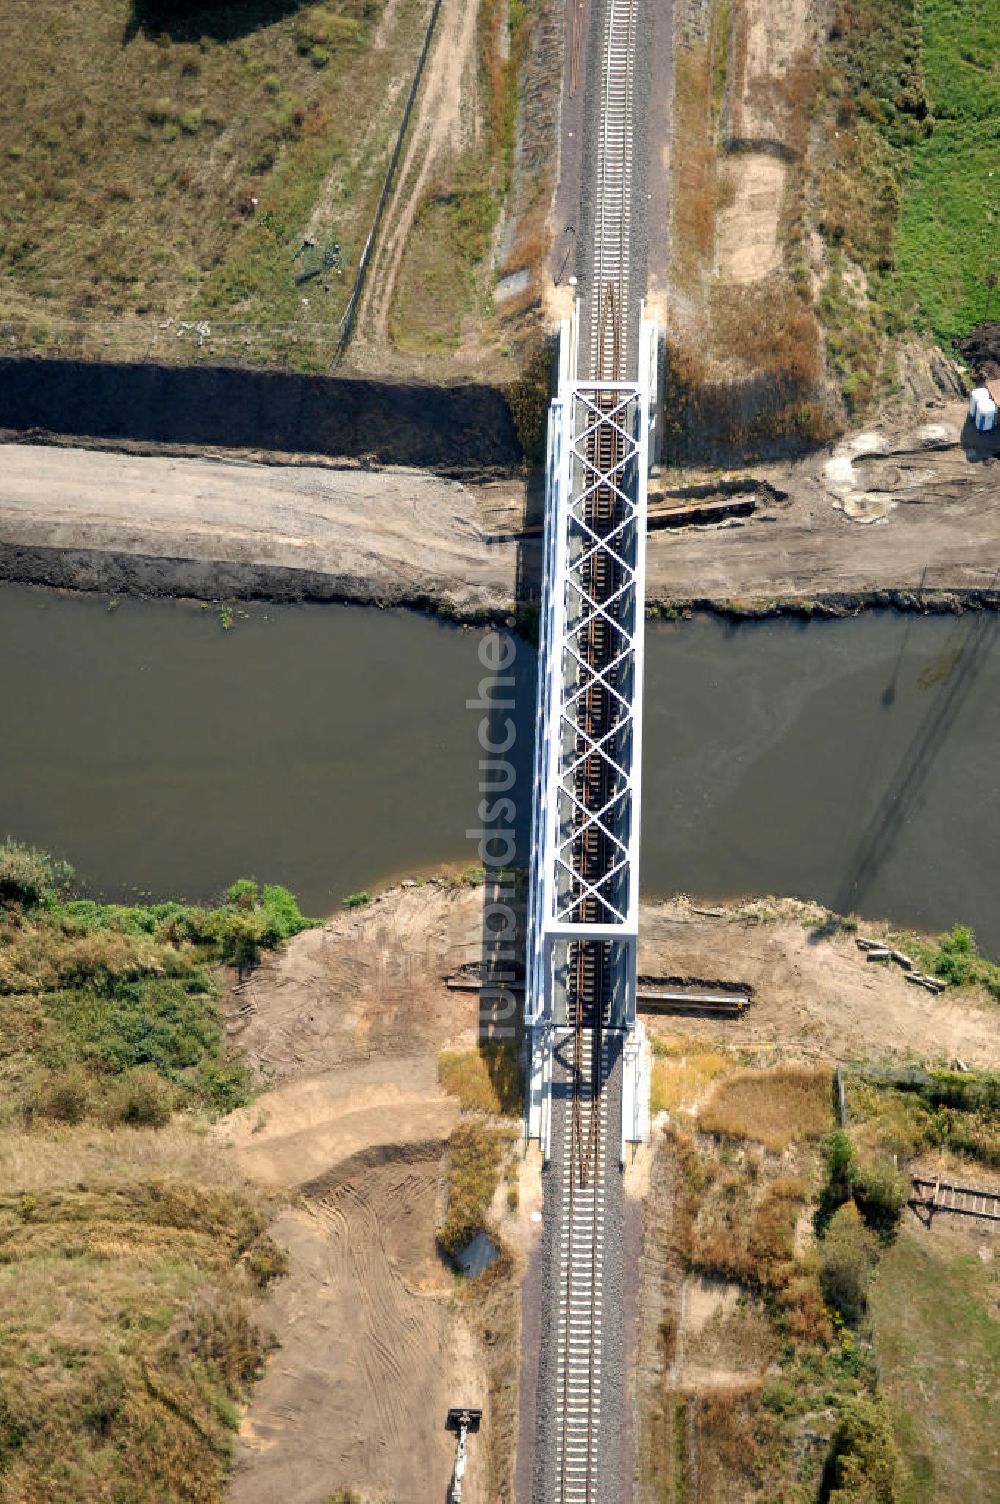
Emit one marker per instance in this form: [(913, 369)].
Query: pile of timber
[(687, 1002), (701, 510), (877, 950)]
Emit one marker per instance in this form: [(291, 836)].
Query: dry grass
[(491, 1305), (129, 1334), (774, 1108), (767, 327), (487, 1079), (132, 154), (694, 166), (682, 1073)]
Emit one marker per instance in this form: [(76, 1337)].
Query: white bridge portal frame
[(589, 419)]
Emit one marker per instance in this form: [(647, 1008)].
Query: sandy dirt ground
[(769, 44), (367, 986), (815, 995), (369, 990), (894, 509), (393, 534), (346, 1023), (372, 1350), (890, 509)]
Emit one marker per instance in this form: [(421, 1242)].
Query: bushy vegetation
[(848, 1254), (830, 1341), (29, 878), (110, 1012), (955, 957), (902, 1115), (474, 1158), (875, 1186), (865, 1465)]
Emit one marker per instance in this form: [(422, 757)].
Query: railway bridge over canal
[(588, 1091)]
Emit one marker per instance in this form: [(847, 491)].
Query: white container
[(983, 410)]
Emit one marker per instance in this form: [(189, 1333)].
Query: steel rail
[(597, 713)]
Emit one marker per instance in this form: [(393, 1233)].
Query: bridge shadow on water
[(508, 774), (952, 683)]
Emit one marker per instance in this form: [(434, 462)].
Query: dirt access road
[(374, 1346), (884, 513)]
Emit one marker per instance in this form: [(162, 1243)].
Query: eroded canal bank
[(166, 748)]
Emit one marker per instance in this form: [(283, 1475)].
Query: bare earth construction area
[(888, 513)]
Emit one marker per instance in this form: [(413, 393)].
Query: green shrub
[(29, 878), (224, 1084), (864, 1465), (241, 937), (880, 1194), (164, 1022), (848, 1253), (284, 915), (243, 893), (957, 956), (190, 121), (357, 900), (840, 1162)]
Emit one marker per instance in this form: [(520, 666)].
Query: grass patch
[(938, 1348), (911, 133), (439, 286), (133, 153), (127, 1276), (774, 1108), (444, 273), (110, 1012), (474, 1157), (486, 1079)]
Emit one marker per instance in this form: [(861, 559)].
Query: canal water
[(327, 748)]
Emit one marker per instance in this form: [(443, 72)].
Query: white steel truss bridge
[(583, 895)]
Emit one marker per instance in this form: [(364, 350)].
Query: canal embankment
[(903, 517)]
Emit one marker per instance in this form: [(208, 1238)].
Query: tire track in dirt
[(358, 1394), (437, 128)]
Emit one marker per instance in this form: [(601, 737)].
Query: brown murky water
[(854, 762)]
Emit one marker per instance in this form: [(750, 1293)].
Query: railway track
[(578, 1353), (590, 982), (610, 285)]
